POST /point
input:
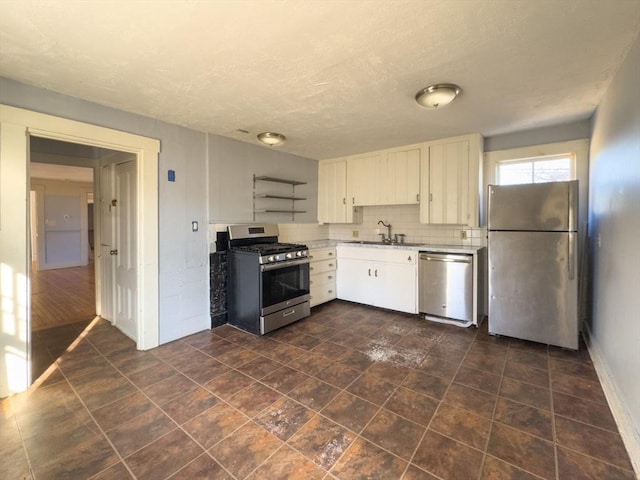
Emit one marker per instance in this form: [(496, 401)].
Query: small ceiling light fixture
[(437, 96), (272, 139)]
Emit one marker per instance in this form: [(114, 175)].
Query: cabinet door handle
[(417, 197), (376, 272), (369, 272), (353, 200), (431, 197), (344, 200)]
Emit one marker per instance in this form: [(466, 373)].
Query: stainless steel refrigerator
[(533, 278)]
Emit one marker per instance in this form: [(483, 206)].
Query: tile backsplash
[(406, 219), (403, 218)]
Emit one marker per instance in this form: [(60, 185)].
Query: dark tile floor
[(351, 392)]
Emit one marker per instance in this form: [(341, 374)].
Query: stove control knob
[(289, 255), (271, 258)]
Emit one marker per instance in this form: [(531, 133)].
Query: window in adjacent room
[(556, 168)]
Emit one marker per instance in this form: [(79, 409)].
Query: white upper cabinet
[(442, 176), (332, 193), (403, 176), (389, 177), (365, 179), (450, 181)]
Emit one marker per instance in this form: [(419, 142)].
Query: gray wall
[(615, 232), (183, 262), (232, 165), (539, 136)]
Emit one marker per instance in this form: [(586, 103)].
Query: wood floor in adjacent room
[(62, 296)]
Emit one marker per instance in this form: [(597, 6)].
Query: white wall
[(614, 232), (73, 250)]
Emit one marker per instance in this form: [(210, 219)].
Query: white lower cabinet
[(386, 278), (322, 275)]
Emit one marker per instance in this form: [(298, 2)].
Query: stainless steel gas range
[(268, 280)]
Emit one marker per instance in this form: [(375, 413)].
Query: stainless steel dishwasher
[(446, 285)]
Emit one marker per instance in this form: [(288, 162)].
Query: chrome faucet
[(389, 238)]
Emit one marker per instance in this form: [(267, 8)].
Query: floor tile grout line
[(322, 340), (123, 459), (424, 434), (103, 433), (157, 405), (324, 416), (485, 450), (553, 421)]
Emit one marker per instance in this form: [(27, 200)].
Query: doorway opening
[(64, 233), (17, 126)]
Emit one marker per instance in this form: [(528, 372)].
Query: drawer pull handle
[(310, 268), (331, 264), (329, 276), (329, 291), (330, 254), (286, 314)]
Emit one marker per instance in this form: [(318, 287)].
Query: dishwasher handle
[(446, 258)]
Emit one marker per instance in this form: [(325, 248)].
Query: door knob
[(113, 252)]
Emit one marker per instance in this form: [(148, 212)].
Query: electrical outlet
[(355, 233), (463, 234)]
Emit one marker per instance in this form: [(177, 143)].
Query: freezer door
[(549, 206), (533, 287)]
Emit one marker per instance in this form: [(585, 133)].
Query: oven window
[(282, 284)]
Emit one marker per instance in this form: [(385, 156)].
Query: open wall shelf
[(276, 196)]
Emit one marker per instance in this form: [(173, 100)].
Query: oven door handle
[(288, 263)]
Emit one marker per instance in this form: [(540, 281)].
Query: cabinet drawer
[(322, 266), (322, 294), (318, 254), (322, 278)]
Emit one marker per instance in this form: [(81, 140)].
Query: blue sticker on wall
[(172, 175)]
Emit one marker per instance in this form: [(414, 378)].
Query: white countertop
[(464, 249)]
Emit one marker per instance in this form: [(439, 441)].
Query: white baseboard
[(628, 431)]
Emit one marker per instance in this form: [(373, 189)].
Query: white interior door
[(107, 243), (125, 248)]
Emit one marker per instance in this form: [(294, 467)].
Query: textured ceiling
[(336, 77)]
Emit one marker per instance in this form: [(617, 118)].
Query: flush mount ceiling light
[(272, 139), (437, 96)]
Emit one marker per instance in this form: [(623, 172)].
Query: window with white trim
[(556, 168)]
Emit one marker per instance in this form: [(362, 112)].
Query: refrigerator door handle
[(571, 219), (570, 253)]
